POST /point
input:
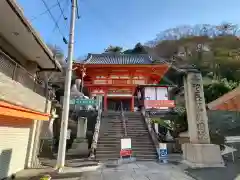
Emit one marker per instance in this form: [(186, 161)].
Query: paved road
[(131, 171)]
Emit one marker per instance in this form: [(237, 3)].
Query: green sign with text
[(83, 101)]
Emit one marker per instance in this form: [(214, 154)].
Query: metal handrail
[(97, 129), (123, 120), (18, 73)]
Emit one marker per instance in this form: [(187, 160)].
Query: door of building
[(114, 104)]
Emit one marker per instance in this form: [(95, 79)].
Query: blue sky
[(125, 22)]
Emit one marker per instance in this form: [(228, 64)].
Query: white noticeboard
[(162, 146), (126, 143), (68, 133), (156, 93)]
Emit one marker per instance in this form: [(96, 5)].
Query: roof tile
[(111, 58)]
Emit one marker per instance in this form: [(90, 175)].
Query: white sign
[(232, 139), (68, 133), (156, 93), (163, 150), (126, 143), (162, 146), (228, 150)]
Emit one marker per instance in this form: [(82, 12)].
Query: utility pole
[(66, 100)]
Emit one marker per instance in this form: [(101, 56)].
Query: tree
[(138, 49), (217, 89), (55, 77), (113, 49), (57, 53)]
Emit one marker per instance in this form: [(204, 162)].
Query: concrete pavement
[(131, 171)]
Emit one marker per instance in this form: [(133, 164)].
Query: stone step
[(135, 149), (109, 139), (138, 135), (117, 155), (108, 146), (141, 144), (117, 143), (129, 125), (143, 130), (136, 129), (109, 151), (108, 142)]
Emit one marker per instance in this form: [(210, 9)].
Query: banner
[(159, 104)]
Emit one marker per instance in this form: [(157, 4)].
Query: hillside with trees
[(213, 49)]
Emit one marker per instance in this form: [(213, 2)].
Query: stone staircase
[(111, 132), (142, 144)]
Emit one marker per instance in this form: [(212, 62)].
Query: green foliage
[(217, 138), (161, 122), (218, 88), (138, 49), (113, 49), (177, 125)]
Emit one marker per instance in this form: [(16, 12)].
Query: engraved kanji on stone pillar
[(196, 108)]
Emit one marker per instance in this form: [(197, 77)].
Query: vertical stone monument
[(199, 152), (80, 144)]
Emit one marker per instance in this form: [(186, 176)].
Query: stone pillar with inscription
[(199, 152)]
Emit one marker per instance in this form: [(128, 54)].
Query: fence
[(17, 73)]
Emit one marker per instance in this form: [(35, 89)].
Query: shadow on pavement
[(67, 175), (230, 172), (54, 176)]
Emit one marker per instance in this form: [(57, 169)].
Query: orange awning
[(8, 109), (228, 102)]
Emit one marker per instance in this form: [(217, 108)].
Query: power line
[(54, 20), (44, 12), (62, 11), (62, 14), (78, 16)]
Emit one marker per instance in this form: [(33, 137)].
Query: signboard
[(126, 147), (68, 133), (163, 150), (157, 98), (232, 139), (126, 143), (83, 101), (124, 153), (158, 104)]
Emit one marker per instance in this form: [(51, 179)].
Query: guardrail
[(151, 131), (18, 73), (123, 120)]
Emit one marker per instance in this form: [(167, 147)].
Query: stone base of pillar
[(202, 155), (77, 141), (79, 147)]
